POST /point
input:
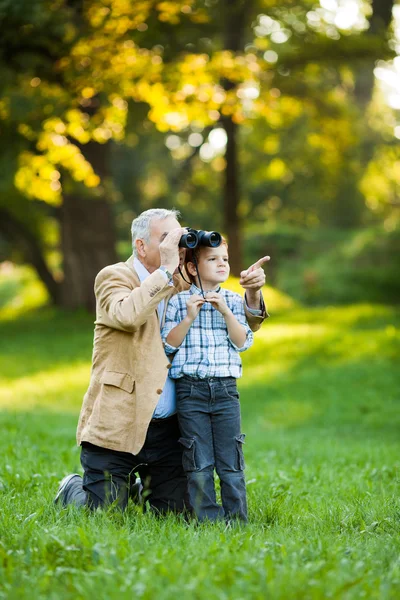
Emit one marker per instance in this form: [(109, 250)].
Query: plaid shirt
[(207, 350)]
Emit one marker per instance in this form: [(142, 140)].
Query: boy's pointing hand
[(254, 277)]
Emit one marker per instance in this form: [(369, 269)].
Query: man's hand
[(218, 302), (169, 249), (194, 305)]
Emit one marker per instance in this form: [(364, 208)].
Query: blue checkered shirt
[(207, 350)]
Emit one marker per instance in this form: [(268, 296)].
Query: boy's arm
[(171, 321), (252, 280), (236, 331), (175, 331), (238, 313), (255, 317), (239, 332), (176, 335)]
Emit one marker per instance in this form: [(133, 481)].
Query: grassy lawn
[(320, 403)]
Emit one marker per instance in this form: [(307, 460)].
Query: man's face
[(159, 228)]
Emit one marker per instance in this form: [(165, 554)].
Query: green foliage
[(330, 266), (20, 291)]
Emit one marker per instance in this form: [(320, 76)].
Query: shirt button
[(159, 392)]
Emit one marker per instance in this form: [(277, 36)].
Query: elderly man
[(128, 423)]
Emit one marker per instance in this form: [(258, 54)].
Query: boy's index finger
[(258, 264)]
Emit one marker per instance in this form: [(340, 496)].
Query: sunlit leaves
[(83, 97), (381, 182), (38, 176), (282, 80), (117, 17), (191, 89)]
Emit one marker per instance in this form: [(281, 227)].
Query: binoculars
[(194, 238)]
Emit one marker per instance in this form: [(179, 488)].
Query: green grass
[(320, 403)]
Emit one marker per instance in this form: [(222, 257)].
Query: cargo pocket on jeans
[(188, 461), (239, 445)]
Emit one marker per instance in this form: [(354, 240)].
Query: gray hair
[(141, 225)]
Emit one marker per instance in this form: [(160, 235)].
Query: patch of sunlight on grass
[(20, 291), (279, 347), (344, 316), (57, 389), (273, 333), (286, 413), (264, 371), (275, 300)]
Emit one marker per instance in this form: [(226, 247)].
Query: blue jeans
[(209, 420)]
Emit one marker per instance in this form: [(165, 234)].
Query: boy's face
[(213, 265)]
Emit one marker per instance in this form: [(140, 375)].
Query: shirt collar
[(195, 290), (140, 269)]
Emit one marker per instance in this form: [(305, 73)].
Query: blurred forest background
[(275, 122)]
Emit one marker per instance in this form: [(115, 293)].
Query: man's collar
[(140, 269), (130, 264)]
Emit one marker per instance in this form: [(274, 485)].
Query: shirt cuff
[(170, 349), (245, 346), (164, 275), (170, 281), (254, 311), (257, 312)]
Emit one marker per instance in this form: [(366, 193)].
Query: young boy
[(206, 334)]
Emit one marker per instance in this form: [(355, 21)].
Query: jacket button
[(169, 365), (159, 391)]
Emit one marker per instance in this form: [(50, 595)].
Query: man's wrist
[(167, 270)]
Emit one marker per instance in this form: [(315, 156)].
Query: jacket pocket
[(123, 381)]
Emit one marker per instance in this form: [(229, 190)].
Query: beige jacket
[(129, 365)]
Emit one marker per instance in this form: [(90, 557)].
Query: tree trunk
[(231, 197), (379, 23), (235, 16), (88, 237), (87, 246), (21, 237)]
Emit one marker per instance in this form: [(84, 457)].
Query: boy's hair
[(194, 253)]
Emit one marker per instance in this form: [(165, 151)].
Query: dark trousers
[(109, 475), (209, 420)]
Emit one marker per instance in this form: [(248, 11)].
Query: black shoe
[(135, 491), (63, 484)]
